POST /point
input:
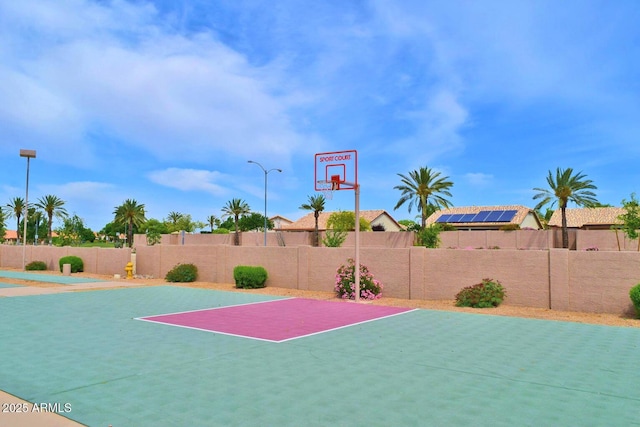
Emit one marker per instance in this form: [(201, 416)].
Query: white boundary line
[(210, 308)]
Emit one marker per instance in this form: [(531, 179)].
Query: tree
[(16, 208), (180, 222), (52, 206), (409, 224), (3, 225), (154, 230), (73, 232), (566, 187), (235, 208), (425, 189), (346, 221), (213, 221), (253, 221), (132, 214), (631, 219), (316, 204)]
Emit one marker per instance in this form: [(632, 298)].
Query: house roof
[(11, 235), (519, 217), (579, 217), (281, 219), (308, 221)]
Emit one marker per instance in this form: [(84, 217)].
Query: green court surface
[(49, 278), (422, 368)]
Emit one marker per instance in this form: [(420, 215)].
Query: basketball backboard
[(337, 170)]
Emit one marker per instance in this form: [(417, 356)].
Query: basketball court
[(177, 356), (91, 350)]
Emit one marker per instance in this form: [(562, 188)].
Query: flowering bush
[(370, 288)]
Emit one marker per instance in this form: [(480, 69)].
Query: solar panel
[(444, 218), (467, 217), (456, 218), (493, 216), (481, 216), (507, 216)]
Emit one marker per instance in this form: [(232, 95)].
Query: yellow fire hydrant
[(129, 270)]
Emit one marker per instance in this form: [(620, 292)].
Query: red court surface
[(279, 320)]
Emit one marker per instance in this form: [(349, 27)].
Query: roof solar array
[(482, 216)]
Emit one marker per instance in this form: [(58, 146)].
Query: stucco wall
[(588, 281), (96, 260)]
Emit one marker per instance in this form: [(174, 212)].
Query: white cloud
[(190, 180), (478, 179), (115, 73)]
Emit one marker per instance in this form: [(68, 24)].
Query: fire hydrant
[(129, 270)]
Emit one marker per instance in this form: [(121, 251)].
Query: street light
[(29, 154), (266, 172)]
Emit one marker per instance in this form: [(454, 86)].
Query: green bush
[(334, 238), (77, 265), (430, 236), (510, 227), (634, 293), (489, 293), (36, 266), (182, 273), (249, 277)]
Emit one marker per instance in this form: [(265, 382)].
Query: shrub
[(430, 236), (510, 227), (488, 293), (634, 294), (334, 238), (36, 266), (249, 277), (370, 288), (182, 273), (77, 265)]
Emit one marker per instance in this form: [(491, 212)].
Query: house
[(377, 218), (11, 236), (279, 221), (487, 217), (587, 218)]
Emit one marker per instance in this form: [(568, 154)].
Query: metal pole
[(28, 154), (265, 207), (266, 172), (357, 260)]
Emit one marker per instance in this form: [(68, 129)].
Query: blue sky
[(165, 101)]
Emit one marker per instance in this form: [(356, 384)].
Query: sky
[(166, 101)]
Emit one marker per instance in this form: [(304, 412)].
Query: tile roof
[(521, 214), (579, 217), (308, 221)]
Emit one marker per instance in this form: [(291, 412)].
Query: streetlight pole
[(266, 172), (29, 154)]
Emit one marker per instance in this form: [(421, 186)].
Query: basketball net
[(326, 188)]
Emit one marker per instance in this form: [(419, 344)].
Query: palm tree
[(131, 214), (424, 188), (16, 208), (316, 204), (52, 206), (563, 188), (213, 221), (174, 217), (235, 208)]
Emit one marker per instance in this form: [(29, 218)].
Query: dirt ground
[(502, 310)]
